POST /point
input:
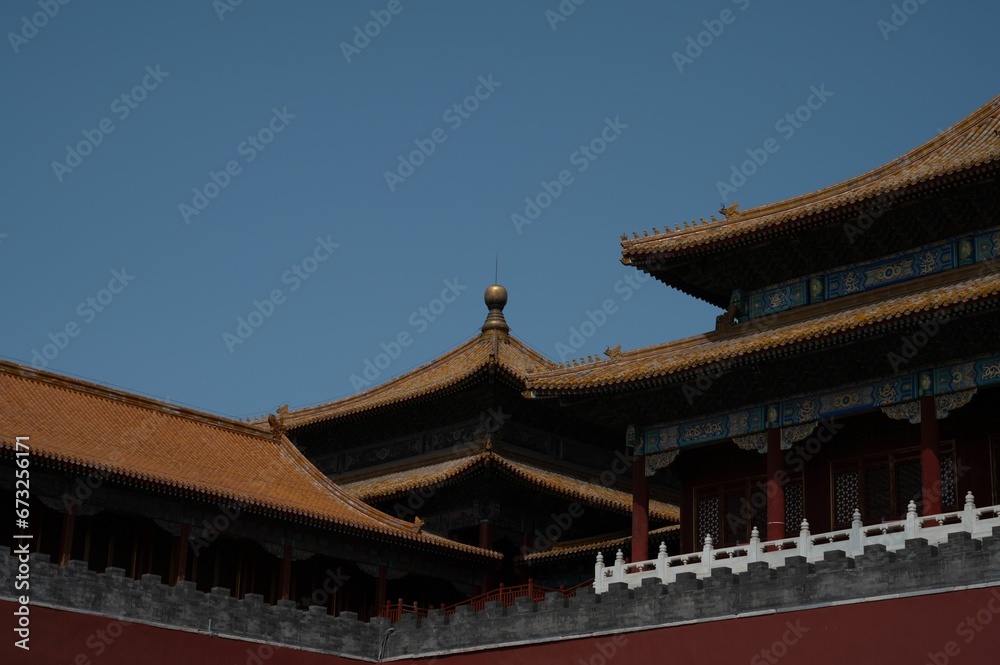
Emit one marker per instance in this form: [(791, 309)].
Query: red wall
[(931, 629)]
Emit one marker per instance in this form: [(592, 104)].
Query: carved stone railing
[(979, 522)]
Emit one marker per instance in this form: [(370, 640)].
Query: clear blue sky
[(551, 86)]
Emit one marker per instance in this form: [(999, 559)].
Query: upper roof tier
[(493, 349), (712, 259), (87, 428)]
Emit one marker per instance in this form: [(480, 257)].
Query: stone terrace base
[(925, 605)]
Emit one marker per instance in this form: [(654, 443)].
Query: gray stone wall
[(917, 568)]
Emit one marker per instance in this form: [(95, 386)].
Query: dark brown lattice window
[(881, 486), (734, 509)]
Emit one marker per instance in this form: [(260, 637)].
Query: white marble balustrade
[(979, 522)]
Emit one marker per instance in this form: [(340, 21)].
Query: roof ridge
[(957, 133), (74, 384), (482, 344)]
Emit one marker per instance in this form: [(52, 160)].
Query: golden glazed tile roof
[(446, 372), (972, 142), (603, 543), (809, 324), (87, 428), (394, 484)]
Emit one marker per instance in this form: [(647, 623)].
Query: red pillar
[(486, 542), (776, 479), (930, 462), (181, 545), (640, 509), (383, 576), (285, 584), (66, 536)]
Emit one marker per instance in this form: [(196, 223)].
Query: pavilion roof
[(450, 371), (86, 428), (847, 317), (560, 483), (573, 549), (972, 142)]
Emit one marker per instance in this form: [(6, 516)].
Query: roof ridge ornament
[(495, 298), (731, 212), (277, 422)]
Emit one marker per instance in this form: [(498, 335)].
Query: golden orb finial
[(495, 299)]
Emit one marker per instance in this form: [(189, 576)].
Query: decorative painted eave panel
[(973, 142), (886, 392)]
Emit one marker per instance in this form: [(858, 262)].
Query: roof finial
[(495, 298)]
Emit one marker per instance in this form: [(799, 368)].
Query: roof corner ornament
[(418, 523), (613, 352), (727, 321), (731, 212), (277, 422)]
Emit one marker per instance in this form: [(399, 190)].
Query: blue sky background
[(323, 175)]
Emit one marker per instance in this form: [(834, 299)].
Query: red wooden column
[(285, 583), (640, 509), (66, 536), (383, 576), (486, 542), (179, 563), (930, 462), (776, 478)]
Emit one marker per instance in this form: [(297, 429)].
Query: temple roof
[(809, 325), (87, 428), (972, 142), (393, 484), (493, 349), (602, 543)]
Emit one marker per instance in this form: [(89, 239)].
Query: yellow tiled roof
[(594, 545), (93, 429), (445, 372), (557, 482), (972, 142), (663, 360)]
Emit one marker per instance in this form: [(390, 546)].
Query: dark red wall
[(931, 629)]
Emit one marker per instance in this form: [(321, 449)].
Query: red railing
[(506, 595)]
